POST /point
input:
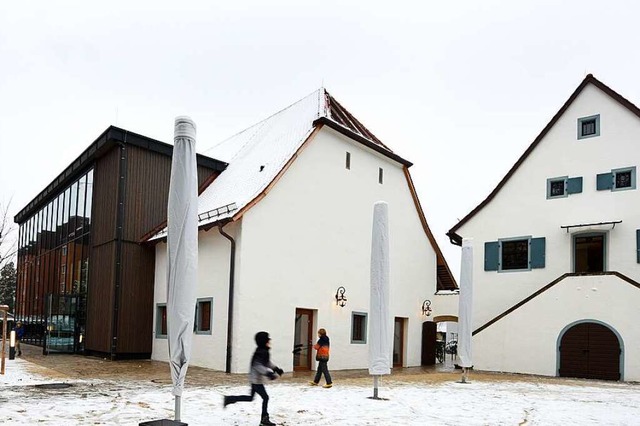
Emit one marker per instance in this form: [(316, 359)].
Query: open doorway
[(303, 340), (398, 341), (589, 253)]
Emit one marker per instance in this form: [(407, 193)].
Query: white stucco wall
[(209, 350), (312, 234), (522, 209), (526, 341)]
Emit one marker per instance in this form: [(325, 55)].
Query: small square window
[(557, 187), (358, 327), (161, 320), (203, 316), (347, 161), (624, 178), (514, 254), (589, 127)]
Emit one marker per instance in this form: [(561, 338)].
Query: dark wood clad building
[(85, 282)]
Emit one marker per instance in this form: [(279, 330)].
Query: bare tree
[(8, 242)]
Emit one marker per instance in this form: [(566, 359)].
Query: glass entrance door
[(63, 328), (303, 340)]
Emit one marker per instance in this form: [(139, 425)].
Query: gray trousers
[(323, 369)]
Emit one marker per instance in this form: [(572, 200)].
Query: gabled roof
[(589, 79), (261, 154), (258, 155)]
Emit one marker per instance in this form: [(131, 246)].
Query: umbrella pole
[(177, 410), (464, 375), (375, 386)]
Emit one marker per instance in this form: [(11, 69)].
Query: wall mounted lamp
[(426, 308), (341, 300)]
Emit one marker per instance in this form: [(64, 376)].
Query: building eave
[(361, 139), (107, 140)]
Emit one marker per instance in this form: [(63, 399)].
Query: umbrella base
[(163, 422)]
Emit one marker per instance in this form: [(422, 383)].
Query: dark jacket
[(322, 348), (261, 365), (19, 332)]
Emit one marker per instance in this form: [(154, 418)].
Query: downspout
[(122, 179), (232, 270)]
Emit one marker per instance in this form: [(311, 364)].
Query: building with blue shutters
[(557, 247)]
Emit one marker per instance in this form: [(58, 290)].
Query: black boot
[(266, 422)]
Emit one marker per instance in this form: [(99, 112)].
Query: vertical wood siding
[(100, 292)]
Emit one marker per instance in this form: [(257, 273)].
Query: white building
[(295, 206), (556, 265)]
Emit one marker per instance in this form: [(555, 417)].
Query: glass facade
[(53, 263)]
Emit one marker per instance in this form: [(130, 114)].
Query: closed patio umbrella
[(182, 253), (380, 345), (465, 308)]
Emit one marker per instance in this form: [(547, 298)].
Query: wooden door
[(398, 342), (428, 356), (590, 351), (303, 340)]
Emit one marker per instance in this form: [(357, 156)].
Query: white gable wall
[(521, 208), (312, 234), (525, 340)]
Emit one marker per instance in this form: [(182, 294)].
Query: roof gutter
[(454, 238)]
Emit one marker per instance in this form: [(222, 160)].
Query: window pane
[(65, 214), (588, 127), (357, 332), (557, 188), (73, 211), (515, 254), (623, 179), (87, 211), (82, 188), (205, 316), (161, 321)]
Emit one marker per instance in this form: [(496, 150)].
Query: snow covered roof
[(258, 154)]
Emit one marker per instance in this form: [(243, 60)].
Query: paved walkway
[(85, 367)]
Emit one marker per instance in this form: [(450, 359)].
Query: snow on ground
[(122, 402)]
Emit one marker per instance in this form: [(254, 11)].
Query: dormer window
[(589, 127)]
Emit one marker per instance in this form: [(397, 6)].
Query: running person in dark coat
[(322, 356), (261, 367)]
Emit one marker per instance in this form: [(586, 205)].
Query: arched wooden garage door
[(591, 351)]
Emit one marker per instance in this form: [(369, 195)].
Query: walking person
[(19, 329), (261, 367), (322, 356)]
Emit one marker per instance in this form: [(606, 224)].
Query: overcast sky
[(459, 88)]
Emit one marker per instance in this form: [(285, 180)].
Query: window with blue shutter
[(537, 252), (515, 254), (574, 185), (624, 179), (604, 181), (617, 179), (491, 255), (560, 187)]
